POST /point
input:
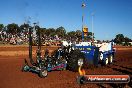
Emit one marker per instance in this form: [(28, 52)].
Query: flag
[(83, 5)]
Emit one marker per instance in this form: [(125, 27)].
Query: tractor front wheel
[(43, 73), (110, 59), (25, 68), (105, 62)]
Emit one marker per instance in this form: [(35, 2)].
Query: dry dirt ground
[(12, 59)]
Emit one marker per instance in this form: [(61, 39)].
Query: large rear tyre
[(76, 59)]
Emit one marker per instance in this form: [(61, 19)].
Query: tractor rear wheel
[(76, 59)]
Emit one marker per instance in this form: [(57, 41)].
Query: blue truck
[(91, 54), (97, 55)]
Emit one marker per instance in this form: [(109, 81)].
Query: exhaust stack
[(30, 46), (39, 42)]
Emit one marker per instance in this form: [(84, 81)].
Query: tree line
[(120, 39), (60, 32), (49, 32)]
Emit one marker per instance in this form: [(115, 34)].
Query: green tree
[(43, 31), (71, 35), (52, 32), (49, 32), (127, 40), (119, 39), (61, 32), (37, 28), (78, 33), (24, 28), (90, 35), (1, 27), (13, 28)]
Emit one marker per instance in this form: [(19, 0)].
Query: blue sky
[(110, 16)]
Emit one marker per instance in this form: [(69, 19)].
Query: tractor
[(43, 65), (69, 56), (62, 58), (86, 53)]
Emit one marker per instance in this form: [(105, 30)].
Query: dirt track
[(12, 59)]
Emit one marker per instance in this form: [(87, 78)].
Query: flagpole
[(92, 29), (83, 5)]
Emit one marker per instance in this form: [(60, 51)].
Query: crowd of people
[(15, 39), (22, 38)]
